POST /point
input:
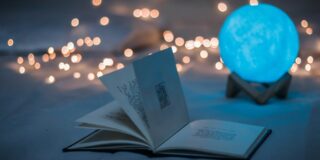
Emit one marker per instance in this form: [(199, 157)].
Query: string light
[(214, 42), (298, 60), (189, 45), (310, 59), (52, 56), (61, 65), (307, 67), (50, 50), (50, 79), (104, 21), (186, 59), (179, 67), (197, 44), (96, 3), (99, 74), (206, 43), (74, 22), (309, 31), (137, 13), (145, 12), (76, 75), (80, 42), (10, 42), (304, 23), (179, 41), (96, 41), (163, 47), (219, 65), (168, 36), (37, 66), (101, 66), (66, 67), (128, 52), (204, 54), (294, 68), (222, 7), (91, 76), (108, 62), (154, 13), (174, 49), (254, 2), (20, 60), (120, 65), (22, 70)]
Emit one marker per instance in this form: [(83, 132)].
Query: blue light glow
[(259, 43)]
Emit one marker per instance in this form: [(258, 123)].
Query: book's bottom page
[(108, 140), (213, 138)]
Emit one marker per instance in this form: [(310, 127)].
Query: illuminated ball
[(259, 43)]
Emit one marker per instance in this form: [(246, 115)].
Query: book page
[(214, 137), (122, 85), (162, 96), (110, 117)]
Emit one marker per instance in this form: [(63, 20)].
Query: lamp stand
[(279, 88)]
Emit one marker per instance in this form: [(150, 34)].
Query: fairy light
[(197, 44), (186, 59), (91, 76), (204, 54), (37, 66), (45, 57), (31, 59), (50, 79), (254, 2), (52, 56), (145, 12), (108, 62), (64, 50), (76, 58), (307, 67), (96, 3), (66, 67), (174, 49), (199, 38), (206, 43), (128, 52), (61, 65), (119, 65), (189, 45), (10, 42), (104, 21), (101, 66), (99, 74), (298, 60), (20, 60), (219, 65), (76, 75), (96, 41), (222, 7), (80, 42), (22, 70), (310, 59), (50, 50), (179, 41), (74, 22), (137, 13), (154, 13), (294, 68), (168, 36), (163, 47), (304, 23), (309, 31), (214, 42), (179, 67), (70, 46)]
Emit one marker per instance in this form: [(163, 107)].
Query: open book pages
[(150, 113)]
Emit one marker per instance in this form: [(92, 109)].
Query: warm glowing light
[(104, 21), (76, 75), (199, 38), (179, 67), (107, 62), (10, 42), (145, 12), (186, 59), (74, 22), (179, 41), (307, 67), (294, 68), (189, 44), (96, 3), (20, 60), (298, 60), (214, 42), (101, 66), (45, 57), (163, 47), (76, 58), (128, 52), (99, 74), (88, 41), (154, 13), (22, 70), (96, 41), (168, 36), (70, 46), (91, 76), (50, 50), (204, 54), (174, 49), (197, 44), (309, 31), (30, 56), (206, 43), (61, 65), (50, 79), (219, 65), (222, 7), (66, 67), (137, 13), (254, 2), (64, 50), (310, 59), (304, 23), (52, 56), (120, 65), (80, 42), (37, 66)]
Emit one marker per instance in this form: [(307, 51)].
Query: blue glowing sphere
[(259, 43)]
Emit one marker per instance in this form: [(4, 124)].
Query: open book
[(150, 113)]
